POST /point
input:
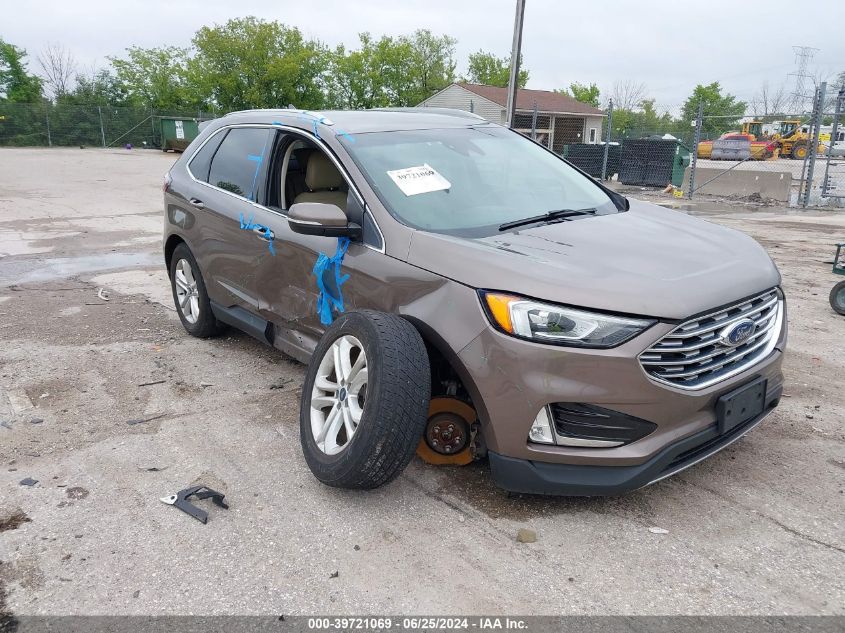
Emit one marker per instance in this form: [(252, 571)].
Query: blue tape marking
[(249, 225), (326, 300)]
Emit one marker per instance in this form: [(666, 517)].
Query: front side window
[(468, 181), (236, 165)]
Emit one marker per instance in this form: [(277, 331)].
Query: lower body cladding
[(643, 431)]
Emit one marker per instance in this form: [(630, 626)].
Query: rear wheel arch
[(169, 246)]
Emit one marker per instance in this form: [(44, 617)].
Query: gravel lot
[(755, 530)]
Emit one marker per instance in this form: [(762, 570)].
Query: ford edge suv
[(460, 292)]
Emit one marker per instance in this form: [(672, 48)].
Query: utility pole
[(513, 86)]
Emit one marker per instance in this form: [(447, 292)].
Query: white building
[(561, 120)]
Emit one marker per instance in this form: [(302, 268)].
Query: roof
[(363, 121), (546, 100)]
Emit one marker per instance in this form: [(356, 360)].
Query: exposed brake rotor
[(448, 432)]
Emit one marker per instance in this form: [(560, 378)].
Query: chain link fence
[(48, 124)]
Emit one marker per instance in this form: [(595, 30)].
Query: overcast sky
[(668, 45)]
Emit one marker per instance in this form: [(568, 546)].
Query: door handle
[(196, 202), (264, 233)]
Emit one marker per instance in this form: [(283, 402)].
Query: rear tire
[(799, 151), (837, 298), (360, 425), (190, 296)]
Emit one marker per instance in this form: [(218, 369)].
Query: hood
[(648, 261)]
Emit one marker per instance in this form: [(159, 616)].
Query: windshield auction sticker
[(416, 180)]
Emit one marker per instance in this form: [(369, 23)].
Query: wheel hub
[(447, 433)]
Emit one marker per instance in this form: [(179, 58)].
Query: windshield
[(469, 181)]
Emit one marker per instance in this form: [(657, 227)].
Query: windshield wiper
[(549, 216)]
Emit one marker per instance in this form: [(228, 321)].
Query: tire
[(837, 298), (196, 315), (389, 394), (799, 151)]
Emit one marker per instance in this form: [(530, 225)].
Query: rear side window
[(201, 162), (236, 165)]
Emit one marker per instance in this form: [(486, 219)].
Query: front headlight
[(559, 325)]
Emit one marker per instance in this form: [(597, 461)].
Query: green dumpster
[(177, 132)]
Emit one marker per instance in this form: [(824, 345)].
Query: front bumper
[(527, 476)]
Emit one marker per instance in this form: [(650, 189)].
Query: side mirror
[(319, 218)]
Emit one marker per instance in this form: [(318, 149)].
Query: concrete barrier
[(774, 185)]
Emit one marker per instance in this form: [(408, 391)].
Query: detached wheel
[(365, 400), (190, 296), (837, 298)]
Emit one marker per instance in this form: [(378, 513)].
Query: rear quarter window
[(236, 166), (201, 162)]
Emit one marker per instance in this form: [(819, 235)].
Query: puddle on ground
[(38, 270)]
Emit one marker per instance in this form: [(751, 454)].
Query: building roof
[(546, 100)]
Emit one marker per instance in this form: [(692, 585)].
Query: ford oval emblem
[(737, 332)]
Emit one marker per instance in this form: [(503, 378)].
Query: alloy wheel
[(187, 293), (338, 396)]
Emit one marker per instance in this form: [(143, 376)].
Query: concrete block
[(774, 185)]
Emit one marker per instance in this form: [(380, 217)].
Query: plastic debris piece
[(29, 481), (180, 500), (658, 530)]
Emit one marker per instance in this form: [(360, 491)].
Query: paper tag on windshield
[(416, 180)]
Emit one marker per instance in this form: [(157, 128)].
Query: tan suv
[(462, 292)]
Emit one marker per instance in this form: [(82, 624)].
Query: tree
[(252, 63), (768, 101), (100, 87), (485, 68), (627, 94), (16, 84), (155, 77), (582, 92), (429, 66), (369, 77), (720, 112), (58, 69)]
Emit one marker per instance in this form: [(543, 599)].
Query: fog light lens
[(541, 430)]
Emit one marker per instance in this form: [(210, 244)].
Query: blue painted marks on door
[(251, 225)]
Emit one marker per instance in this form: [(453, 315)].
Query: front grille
[(692, 357)]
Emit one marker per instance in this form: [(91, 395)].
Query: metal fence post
[(534, 123), (834, 134), (49, 136), (694, 160), (102, 129), (815, 128), (607, 140)]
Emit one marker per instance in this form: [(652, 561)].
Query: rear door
[(231, 245)]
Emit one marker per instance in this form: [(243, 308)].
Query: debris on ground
[(29, 481), (14, 521), (76, 493), (525, 535), (334, 574), (102, 294), (658, 530), (135, 421), (281, 384), (154, 382), (36, 420), (180, 500)]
